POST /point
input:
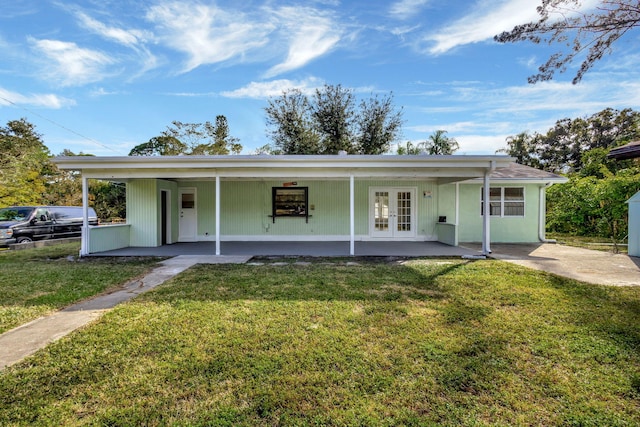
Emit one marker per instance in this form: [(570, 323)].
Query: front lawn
[(424, 342), (36, 282)]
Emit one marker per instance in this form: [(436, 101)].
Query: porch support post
[(352, 221), (217, 214), (457, 217), (486, 214), (84, 237)]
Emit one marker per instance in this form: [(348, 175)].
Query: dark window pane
[(514, 193)]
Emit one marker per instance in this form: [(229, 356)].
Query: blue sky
[(102, 76)]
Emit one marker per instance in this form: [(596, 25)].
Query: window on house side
[(504, 201)]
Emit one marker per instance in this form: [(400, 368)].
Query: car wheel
[(24, 239)]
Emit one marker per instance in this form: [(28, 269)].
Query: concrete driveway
[(602, 268)]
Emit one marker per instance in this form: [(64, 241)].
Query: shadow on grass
[(611, 313), (370, 281), (426, 342)]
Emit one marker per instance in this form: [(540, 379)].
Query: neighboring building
[(318, 198), (625, 152)]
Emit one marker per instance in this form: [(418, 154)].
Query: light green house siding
[(108, 237), (516, 229), (246, 208), (246, 211), (142, 212), (447, 202)]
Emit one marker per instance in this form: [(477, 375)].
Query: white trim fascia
[(346, 162), (517, 181), (458, 174)]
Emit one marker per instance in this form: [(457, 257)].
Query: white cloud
[(72, 65), (484, 21), (263, 90), (404, 9), (133, 39), (103, 92), (125, 37), (206, 33), (481, 144), (311, 34), (46, 100)]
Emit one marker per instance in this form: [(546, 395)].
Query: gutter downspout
[(486, 223), (542, 214)]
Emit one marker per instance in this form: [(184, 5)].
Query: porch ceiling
[(442, 168)]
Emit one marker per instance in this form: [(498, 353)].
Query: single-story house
[(319, 198)]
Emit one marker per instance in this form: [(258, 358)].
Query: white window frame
[(502, 202)]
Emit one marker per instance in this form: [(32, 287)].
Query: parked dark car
[(21, 224)]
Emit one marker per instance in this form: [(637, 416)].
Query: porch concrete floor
[(335, 248)]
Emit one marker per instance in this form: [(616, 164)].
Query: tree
[(523, 148), (410, 149), (440, 144), (378, 125), (222, 139), (24, 164), (333, 111), (593, 32), (109, 199), (329, 122), (290, 124), (563, 147), (592, 206), (191, 139), (159, 146)]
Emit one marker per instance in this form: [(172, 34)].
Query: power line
[(59, 125)]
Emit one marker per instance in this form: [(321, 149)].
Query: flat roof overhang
[(451, 168)]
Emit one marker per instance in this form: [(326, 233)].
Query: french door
[(392, 212)]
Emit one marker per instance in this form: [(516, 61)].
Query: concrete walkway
[(597, 267), (26, 339)]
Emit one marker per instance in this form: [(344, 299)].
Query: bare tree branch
[(586, 36)]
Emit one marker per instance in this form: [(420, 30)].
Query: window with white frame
[(504, 201)]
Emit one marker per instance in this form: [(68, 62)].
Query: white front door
[(188, 222), (392, 212)]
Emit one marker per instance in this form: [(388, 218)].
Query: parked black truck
[(21, 224)]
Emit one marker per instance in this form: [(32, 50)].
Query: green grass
[(588, 242), (424, 342), (36, 282)]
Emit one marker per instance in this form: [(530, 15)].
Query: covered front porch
[(288, 205), (317, 249)]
